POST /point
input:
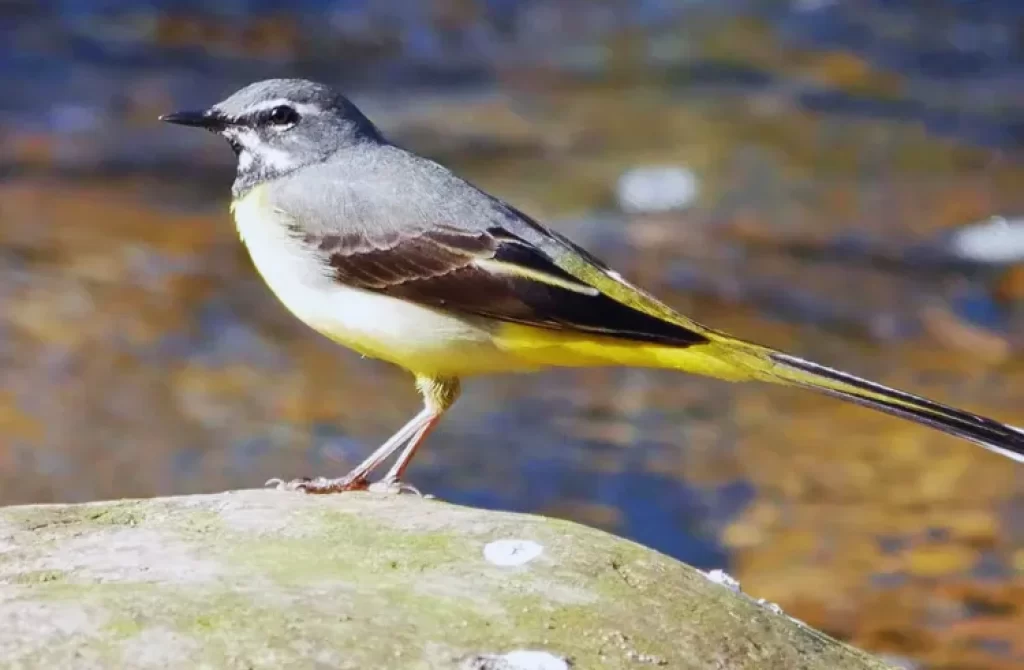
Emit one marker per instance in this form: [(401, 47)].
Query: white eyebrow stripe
[(303, 108)]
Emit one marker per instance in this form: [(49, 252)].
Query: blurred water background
[(817, 175)]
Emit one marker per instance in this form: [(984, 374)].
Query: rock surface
[(265, 579)]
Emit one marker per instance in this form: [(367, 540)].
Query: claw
[(319, 485), (281, 485), (393, 487)]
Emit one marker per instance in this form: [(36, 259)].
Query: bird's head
[(279, 125)]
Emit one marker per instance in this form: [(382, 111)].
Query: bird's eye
[(283, 115)]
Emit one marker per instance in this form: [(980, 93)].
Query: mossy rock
[(268, 579)]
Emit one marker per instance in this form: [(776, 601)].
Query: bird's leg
[(439, 393), (390, 482), (356, 479)]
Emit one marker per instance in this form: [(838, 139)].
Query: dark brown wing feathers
[(438, 268)]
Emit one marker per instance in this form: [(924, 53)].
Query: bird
[(393, 255)]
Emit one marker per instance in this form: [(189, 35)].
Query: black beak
[(209, 119)]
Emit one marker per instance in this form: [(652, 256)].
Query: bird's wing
[(534, 278), (489, 273), (587, 268)]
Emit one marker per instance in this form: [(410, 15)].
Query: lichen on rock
[(266, 579)]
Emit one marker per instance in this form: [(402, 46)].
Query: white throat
[(258, 161)]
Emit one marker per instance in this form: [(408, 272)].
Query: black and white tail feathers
[(992, 435)]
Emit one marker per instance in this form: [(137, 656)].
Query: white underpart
[(418, 338)]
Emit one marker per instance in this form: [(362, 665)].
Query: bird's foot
[(319, 485), (390, 486)]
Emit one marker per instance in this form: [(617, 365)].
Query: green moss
[(400, 565), (231, 614), (329, 552), (39, 577), (123, 627), (38, 517), (336, 583), (197, 521), (81, 592), (118, 514)]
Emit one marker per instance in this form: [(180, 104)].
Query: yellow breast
[(421, 339)]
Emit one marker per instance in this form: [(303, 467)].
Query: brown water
[(142, 356)]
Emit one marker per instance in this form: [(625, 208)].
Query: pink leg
[(392, 481), (438, 395), (356, 479)]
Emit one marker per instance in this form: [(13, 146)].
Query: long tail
[(732, 359), (773, 366)]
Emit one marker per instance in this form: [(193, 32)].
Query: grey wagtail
[(393, 255)]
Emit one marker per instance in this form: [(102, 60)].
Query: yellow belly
[(420, 339), (423, 340)]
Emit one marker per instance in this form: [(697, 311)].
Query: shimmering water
[(837, 147)]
